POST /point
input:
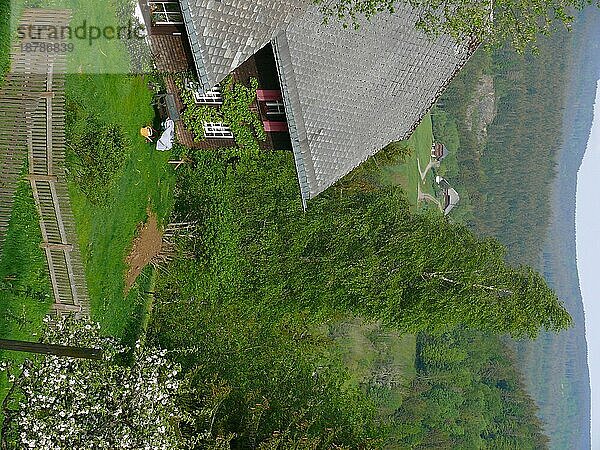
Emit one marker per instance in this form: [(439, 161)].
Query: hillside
[(518, 179), (560, 383), (287, 323)]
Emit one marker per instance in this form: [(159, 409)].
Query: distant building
[(438, 151), (346, 93), (449, 195)]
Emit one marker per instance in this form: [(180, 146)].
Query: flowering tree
[(65, 403), (138, 401)]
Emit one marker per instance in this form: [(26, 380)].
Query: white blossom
[(65, 403)]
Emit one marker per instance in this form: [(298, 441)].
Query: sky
[(588, 258)]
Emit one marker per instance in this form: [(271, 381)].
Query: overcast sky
[(588, 259)]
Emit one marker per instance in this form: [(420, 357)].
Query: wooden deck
[(171, 53), (33, 103)]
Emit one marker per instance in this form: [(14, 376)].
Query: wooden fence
[(33, 101), (14, 101)]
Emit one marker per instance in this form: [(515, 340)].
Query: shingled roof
[(347, 92), (225, 33)]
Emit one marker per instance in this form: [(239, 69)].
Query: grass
[(394, 167), (25, 295), (368, 350), (407, 174), (96, 56), (23, 270), (99, 83), (100, 56), (5, 15), (106, 233)]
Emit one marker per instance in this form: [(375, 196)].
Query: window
[(217, 130), (212, 97), (275, 108), (165, 12)]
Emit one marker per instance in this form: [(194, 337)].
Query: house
[(268, 105), (450, 196), (438, 151), (162, 17), (346, 93)]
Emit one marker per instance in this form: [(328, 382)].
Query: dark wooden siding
[(171, 53)]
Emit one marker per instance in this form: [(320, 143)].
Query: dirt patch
[(146, 246)]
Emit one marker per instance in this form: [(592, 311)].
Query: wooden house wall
[(172, 55)]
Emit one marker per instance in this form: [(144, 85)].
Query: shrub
[(394, 152), (196, 115), (65, 403), (244, 123), (97, 153)]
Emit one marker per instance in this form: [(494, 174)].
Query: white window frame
[(275, 108), (211, 97), (217, 130), (160, 8)]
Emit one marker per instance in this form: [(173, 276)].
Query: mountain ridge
[(564, 400)]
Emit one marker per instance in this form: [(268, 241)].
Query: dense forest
[(255, 284), (468, 395), (520, 183), (564, 393), (507, 176)]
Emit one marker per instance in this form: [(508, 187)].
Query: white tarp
[(166, 139)]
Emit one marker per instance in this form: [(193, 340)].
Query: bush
[(394, 152), (64, 403), (244, 123), (97, 153)]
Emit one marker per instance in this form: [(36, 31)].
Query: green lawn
[(91, 56), (5, 16), (393, 167), (24, 282), (26, 292), (96, 56), (407, 174), (106, 233)]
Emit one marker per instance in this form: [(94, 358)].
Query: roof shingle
[(225, 33), (347, 92), (351, 92)]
